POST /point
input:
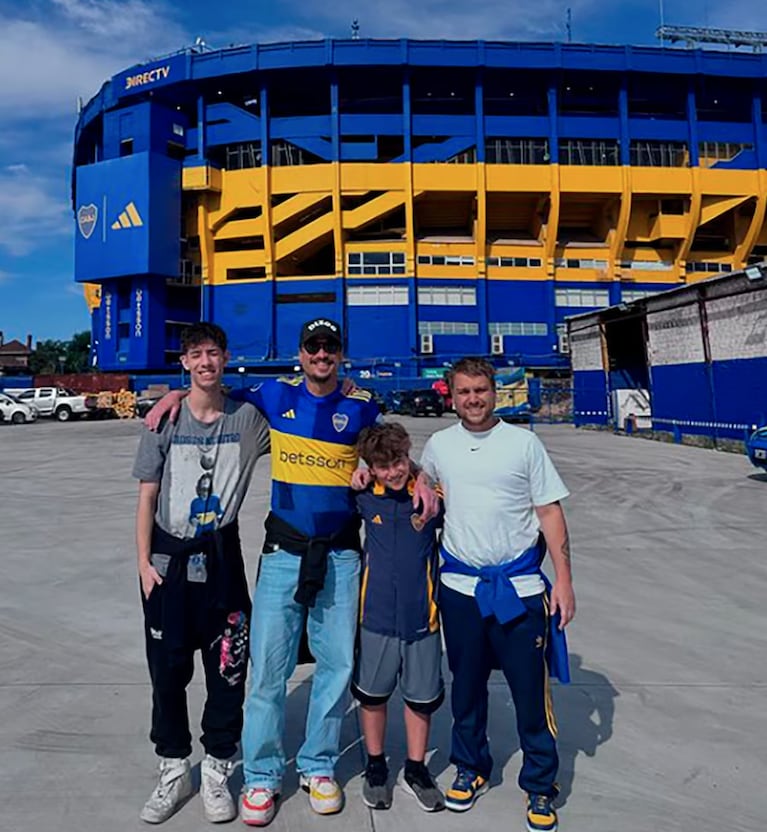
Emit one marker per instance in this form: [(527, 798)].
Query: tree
[(47, 357), (78, 353), (53, 356)]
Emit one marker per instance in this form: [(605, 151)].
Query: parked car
[(393, 400), (14, 411), (424, 402), (145, 403), (442, 387), (378, 399), (756, 448), (58, 402)]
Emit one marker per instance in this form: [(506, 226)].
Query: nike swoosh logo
[(473, 449)]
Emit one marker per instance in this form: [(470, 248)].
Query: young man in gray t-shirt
[(194, 474)]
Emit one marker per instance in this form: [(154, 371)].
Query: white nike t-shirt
[(492, 483)]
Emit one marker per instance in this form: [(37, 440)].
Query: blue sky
[(52, 51)]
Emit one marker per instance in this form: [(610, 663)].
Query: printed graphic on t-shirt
[(204, 472)]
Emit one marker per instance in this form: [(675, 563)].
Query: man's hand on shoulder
[(425, 495), (361, 479), (169, 403)]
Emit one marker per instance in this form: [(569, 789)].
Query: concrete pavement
[(663, 727)]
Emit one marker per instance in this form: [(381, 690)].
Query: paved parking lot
[(663, 728)]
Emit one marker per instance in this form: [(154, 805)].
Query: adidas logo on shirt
[(289, 414), (377, 520)]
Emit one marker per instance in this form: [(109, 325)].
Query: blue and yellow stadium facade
[(438, 198)]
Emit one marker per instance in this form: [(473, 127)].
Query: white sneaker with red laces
[(258, 806)]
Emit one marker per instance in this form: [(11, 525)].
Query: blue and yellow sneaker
[(466, 788), (541, 816)]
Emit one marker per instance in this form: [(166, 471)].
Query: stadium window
[(445, 260), (126, 147), (569, 263), (629, 295), (518, 328), (447, 328), (375, 262), (579, 298), (516, 262), (377, 295), (306, 297), (447, 296), (648, 265)]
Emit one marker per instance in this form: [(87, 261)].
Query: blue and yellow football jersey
[(314, 451)]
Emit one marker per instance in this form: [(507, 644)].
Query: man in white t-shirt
[(502, 511)]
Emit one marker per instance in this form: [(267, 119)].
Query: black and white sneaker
[(376, 792), (417, 780)]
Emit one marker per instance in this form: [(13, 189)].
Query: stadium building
[(438, 198)]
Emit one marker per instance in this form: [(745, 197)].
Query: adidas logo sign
[(377, 520), (129, 218), (289, 414)]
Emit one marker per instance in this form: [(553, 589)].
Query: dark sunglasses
[(313, 347)]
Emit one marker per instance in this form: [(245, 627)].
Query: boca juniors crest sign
[(86, 219)]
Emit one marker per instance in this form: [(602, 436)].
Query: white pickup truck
[(58, 402)]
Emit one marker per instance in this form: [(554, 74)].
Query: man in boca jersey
[(309, 570)]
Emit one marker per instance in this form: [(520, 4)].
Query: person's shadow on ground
[(585, 710)]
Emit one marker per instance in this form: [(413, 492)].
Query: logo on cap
[(322, 322)]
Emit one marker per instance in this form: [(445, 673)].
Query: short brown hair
[(472, 366), (383, 444), (196, 334)]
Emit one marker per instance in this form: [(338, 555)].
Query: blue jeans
[(274, 637)]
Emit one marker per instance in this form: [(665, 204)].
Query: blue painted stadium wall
[(590, 398)]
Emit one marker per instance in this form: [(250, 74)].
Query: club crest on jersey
[(340, 421), (86, 219)]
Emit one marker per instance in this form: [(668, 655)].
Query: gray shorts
[(382, 660)]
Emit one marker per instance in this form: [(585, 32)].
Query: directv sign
[(150, 76)]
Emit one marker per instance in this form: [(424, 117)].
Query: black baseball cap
[(321, 328)]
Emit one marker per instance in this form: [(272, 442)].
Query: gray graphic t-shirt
[(203, 469)]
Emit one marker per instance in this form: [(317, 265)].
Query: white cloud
[(33, 208), (131, 19), (72, 47)]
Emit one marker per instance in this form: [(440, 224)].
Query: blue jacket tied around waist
[(496, 595)]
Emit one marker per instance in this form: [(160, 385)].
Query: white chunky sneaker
[(325, 795), (214, 789), (173, 788), (258, 806)]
